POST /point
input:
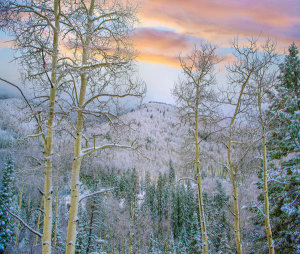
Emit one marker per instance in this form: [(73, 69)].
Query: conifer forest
[(88, 164)]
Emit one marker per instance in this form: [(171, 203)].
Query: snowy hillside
[(162, 138), (154, 129), (157, 132)]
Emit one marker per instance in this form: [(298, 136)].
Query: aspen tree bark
[(48, 188), (47, 229), (75, 186), (266, 199), (265, 179), (200, 196)]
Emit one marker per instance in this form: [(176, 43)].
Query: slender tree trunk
[(19, 213), (131, 223), (90, 229), (75, 184), (233, 173), (200, 196), (265, 178), (48, 188), (266, 199), (56, 206), (38, 223)]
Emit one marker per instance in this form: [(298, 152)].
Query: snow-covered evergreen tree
[(195, 240), (284, 148), (6, 193), (285, 137), (217, 221)]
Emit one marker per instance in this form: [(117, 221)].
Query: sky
[(168, 28)]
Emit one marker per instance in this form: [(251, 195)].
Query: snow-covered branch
[(35, 135), (96, 193), (19, 219), (111, 95), (90, 150)]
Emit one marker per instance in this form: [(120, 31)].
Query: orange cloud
[(154, 58), (162, 46)]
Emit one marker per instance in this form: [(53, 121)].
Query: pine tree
[(218, 225), (195, 239), (284, 147), (6, 194), (285, 137), (83, 231)]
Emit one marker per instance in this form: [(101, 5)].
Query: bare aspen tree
[(100, 57), (247, 63), (261, 84), (194, 95), (242, 70), (36, 27)]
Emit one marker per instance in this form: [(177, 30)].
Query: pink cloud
[(219, 20)]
